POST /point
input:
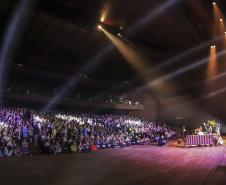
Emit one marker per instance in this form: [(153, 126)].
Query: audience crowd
[(23, 131)]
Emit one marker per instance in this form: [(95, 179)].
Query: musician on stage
[(208, 128), (199, 130), (183, 132), (218, 134)]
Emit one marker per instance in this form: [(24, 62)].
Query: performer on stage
[(208, 128), (199, 130), (219, 138), (183, 132), (218, 126)]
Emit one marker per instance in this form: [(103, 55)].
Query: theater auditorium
[(113, 92)]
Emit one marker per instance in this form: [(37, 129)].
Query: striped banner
[(206, 139)]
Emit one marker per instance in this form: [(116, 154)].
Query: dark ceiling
[(61, 36)]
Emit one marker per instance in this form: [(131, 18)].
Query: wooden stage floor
[(144, 165)]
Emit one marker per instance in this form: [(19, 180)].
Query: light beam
[(212, 65), (219, 20), (139, 24), (11, 38), (153, 14), (135, 60), (179, 72), (87, 68)]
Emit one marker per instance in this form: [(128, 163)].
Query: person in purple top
[(25, 132)]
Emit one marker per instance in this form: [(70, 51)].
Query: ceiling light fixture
[(102, 19), (99, 27)]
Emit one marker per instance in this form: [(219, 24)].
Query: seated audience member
[(93, 148), (17, 151), (57, 148), (24, 148), (80, 147), (161, 141), (46, 148), (8, 151), (73, 147), (86, 147), (1, 147)]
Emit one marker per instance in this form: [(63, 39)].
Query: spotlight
[(214, 3), (221, 20), (119, 35), (102, 19), (213, 46), (99, 27)]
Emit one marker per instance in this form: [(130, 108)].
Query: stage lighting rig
[(115, 30), (99, 27)]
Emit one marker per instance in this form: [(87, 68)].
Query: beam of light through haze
[(150, 17), (11, 37)]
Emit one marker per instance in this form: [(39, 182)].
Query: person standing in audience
[(36, 133), (30, 134), (8, 150), (1, 147), (25, 132)]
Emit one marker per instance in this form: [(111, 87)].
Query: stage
[(145, 165)]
